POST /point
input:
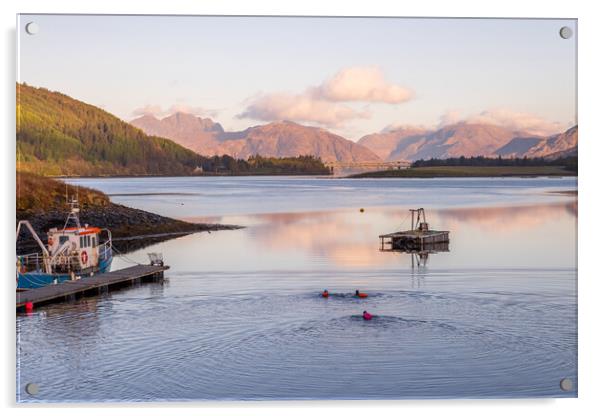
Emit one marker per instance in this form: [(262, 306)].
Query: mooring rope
[(404, 220), (126, 258)]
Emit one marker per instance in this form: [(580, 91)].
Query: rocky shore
[(131, 228), (42, 202)]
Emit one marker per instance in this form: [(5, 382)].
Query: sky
[(353, 76)]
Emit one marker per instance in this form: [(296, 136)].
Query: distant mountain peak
[(466, 139), (193, 132), (557, 145), (386, 143), (281, 138)]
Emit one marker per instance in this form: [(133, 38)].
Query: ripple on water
[(255, 344)]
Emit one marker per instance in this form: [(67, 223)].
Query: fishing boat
[(73, 252)]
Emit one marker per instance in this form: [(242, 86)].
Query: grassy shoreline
[(468, 172)]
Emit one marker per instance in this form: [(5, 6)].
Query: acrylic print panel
[(334, 208)]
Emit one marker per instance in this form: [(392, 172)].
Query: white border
[(590, 24)]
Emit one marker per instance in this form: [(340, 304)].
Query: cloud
[(404, 126), (159, 112), (148, 110), (518, 121), (513, 120), (449, 117), (367, 84), (197, 111), (328, 103), (301, 108)]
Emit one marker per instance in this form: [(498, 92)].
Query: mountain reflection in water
[(530, 235), (239, 314)]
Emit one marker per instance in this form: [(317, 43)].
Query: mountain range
[(277, 139), (59, 135), (195, 133), (468, 139), (559, 145), (286, 138)]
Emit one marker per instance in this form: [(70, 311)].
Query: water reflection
[(500, 236), (506, 220), (342, 238), (241, 317), (419, 258)]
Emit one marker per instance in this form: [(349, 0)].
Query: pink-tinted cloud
[(517, 121), (404, 126), (301, 108), (328, 103), (449, 117), (197, 111), (367, 84), (159, 112), (148, 110)]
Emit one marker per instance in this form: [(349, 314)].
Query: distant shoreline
[(468, 172), (570, 193), (187, 176)]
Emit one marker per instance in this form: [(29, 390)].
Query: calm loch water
[(239, 314)]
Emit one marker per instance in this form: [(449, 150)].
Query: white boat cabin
[(75, 245)]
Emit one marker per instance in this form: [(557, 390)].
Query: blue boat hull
[(32, 280)]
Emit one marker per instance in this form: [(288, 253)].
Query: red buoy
[(367, 316), (29, 306)]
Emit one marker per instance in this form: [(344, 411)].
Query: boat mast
[(73, 212)]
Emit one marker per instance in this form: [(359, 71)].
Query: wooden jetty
[(418, 238), (90, 285)]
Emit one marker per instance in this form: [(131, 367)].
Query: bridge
[(372, 165)]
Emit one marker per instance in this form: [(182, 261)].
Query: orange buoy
[(360, 294), (29, 306)]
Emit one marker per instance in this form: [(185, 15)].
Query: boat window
[(87, 241), (63, 239), (81, 242), (93, 241)]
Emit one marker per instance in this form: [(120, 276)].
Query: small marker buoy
[(366, 316), (361, 209), (29, 306)]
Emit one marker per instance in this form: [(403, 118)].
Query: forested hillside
[(58, 135)]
